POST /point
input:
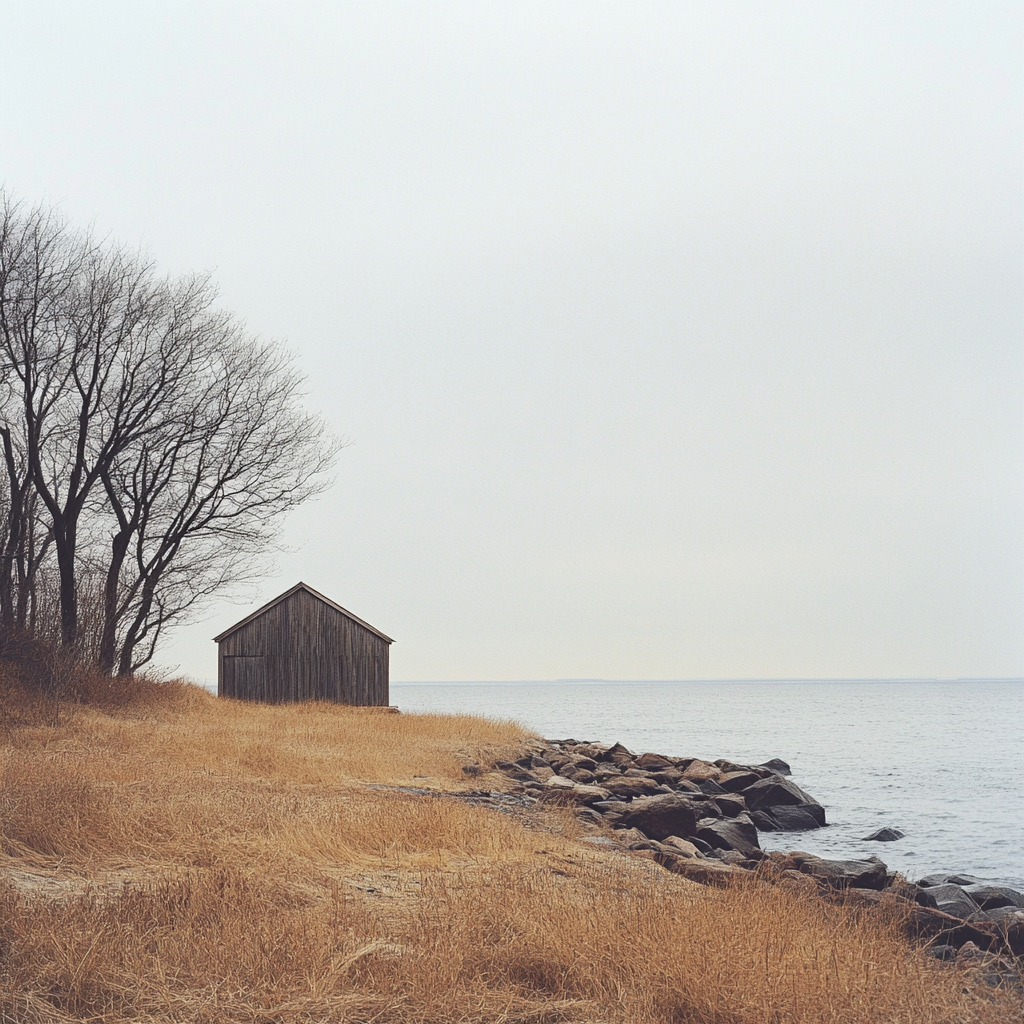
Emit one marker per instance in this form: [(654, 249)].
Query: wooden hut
[(303, 646)]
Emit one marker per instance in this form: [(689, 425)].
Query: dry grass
[(171, 857)]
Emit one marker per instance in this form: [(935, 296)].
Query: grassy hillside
[(170, 857)]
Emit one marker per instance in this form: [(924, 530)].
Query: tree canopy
[(151, 445)]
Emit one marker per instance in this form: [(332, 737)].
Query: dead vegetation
[(171, 857)]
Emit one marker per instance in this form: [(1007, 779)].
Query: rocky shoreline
[(701, 819)]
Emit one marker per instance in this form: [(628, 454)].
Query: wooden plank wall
[(303, 649)]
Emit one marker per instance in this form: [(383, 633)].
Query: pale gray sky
[(674, 339)]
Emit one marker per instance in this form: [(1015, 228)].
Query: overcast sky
[(674, 340)]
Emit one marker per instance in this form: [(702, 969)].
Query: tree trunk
[(108, 641), (64, 543)]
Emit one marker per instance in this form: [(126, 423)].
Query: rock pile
[(701, 819), (714, 807)]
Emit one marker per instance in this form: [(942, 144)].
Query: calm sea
[(941, 760)]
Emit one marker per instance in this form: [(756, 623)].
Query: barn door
[(246, 678)]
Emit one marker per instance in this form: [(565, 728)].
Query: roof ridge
[(313, 593)]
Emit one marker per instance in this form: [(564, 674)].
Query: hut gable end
[(303, 646)]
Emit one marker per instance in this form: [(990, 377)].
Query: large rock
[(699, 870), (710, 787), (775, 791), (764, 821), (731, 834), (594, 750), (559, 782), (737, 781), (706, 808), (776, 764), (884, 835), (843, 874), (686, 786), (951, 899), (653, 762), (628, 787), (701, 770), (533, 761), (616, 754), (796, 818), (578, 796), (942, 878), (909, 891), (585, 794), (730, 805), (659, 817), (991, 897), (669, 777), (683, 847)]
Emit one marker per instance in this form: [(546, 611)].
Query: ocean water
[(941, 760)]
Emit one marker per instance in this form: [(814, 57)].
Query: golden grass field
[(169, 857)]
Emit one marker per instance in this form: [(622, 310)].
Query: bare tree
[(198, 505), (161, 443), (38, 261)]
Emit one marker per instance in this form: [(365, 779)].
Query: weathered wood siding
[(303, 649)]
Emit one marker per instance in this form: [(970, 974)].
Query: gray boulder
[(610, 806), (951, 899), (910, 891), (776, 764), (884, 835), (710, 787), (668, 777), (798, 817), (730, 804), (731, 834), (775, 791), (627, 788), (653, 762), (582, 794), (944, 878), (991, 897), (764, 821), (578, 795), (736, 781), (533, 761), (1005, 914), (558, 782), (659, 817), (844, 874), (700, 870), (684, 847), (686, 786), (616, 753), (730, 857)]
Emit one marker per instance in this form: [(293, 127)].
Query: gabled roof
[(285, 596)]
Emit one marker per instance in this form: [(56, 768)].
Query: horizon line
[(728, 679)]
